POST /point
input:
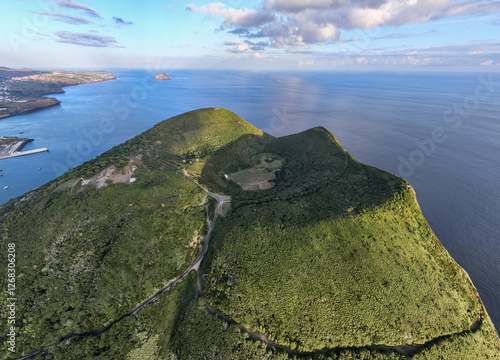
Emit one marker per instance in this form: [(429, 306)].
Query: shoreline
[(484, 313), (35, 100), (33, 107)]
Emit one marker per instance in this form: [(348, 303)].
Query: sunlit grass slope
[(85, 259)]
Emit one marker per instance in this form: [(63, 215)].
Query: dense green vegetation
[(143, 336), (337, 254), (84, 260), (332, 261), (348, 281), (202, 335)]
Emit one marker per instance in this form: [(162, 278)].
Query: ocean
[(440, 131)]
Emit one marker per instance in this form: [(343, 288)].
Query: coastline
[(47, 83), (483, 315), (29, 107)]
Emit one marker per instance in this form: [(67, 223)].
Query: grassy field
[(253, 179), (9, 109), (333, 260), (258, 177)]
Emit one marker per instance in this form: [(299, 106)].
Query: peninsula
[(21, 91), (206, 238)]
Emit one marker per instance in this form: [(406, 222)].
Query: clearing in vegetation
[(258, 177)]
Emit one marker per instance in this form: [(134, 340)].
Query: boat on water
[(5, 187)]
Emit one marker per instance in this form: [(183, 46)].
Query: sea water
[(440, 131)]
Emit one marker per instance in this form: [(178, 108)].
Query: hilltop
[(317, 257), (21, 90)]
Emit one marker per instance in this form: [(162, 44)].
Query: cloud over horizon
[(68, 4), (119, 21), (66, 18), (296, 23), (84, 39), (247, 46), (234, 17), (473, 54)]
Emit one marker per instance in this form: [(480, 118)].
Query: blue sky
[(246, 34)]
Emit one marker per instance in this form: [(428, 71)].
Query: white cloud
[(234, 17), (68, 4), (363, 14), (487, 62), (84, 39), (232, 42), (75, 20), (304, 22), (247, 46), (436, 56)]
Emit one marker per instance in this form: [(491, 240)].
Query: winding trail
[(221, 199)]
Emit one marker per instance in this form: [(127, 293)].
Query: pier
[(22, 153), (12, 146)]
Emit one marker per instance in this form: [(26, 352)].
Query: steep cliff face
[(36, 105), (16, 108)]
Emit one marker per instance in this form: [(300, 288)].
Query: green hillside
[(337, 244), (318, 256)]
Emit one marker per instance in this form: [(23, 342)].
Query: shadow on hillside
[(318, 179), (277, 239)]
